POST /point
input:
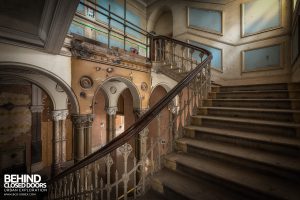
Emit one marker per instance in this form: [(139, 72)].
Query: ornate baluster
[(109, 161), (77, 184), (82, 191), (96, 168), (91, 191), (180, 115), (101, 188), (188, 105), (182, 58), (125, 150), (152, 156), (160, 50), (71, 185), (65, 187), (55, 189), (117, 184), (184, 112), (134, 177)]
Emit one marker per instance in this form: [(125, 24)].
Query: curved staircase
[(244, 143)]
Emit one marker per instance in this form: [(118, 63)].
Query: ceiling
[(39, 24)]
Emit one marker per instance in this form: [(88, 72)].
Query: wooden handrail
[(142, 122)]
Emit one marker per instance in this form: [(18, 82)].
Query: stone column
[(141, 142), (111, 122), (88, 135), (36, 109), (36, 142), (82, 127), (59, 139)]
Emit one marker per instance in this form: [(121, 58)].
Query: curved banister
[(145, 119)]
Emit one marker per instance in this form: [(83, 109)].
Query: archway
[(161, 21), (45, 100), (159, 127), (106, 101)]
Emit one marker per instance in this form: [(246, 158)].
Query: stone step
[(253, 113), (266, 162), (242, 179), (254, 103), (268, 94), (244, 124), (152, 195), (260, 87), (271, 143), (178, 186)]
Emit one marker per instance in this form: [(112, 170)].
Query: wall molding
[(205, 29), (229, 43), (264, 68), (243, 34)]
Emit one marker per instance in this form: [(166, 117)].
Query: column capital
[(36, 108), (81, 121), (59, 114), (111, 110)]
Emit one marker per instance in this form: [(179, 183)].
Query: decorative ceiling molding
[(45, 26)]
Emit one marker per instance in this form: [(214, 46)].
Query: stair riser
[(263, 168), (249, 104), (271, 147), (254, 87), (287, 117), (253, 194), (268, 95), (242, 126)]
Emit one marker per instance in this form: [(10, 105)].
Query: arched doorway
[(164, 24), (159, 127), (36, 127)]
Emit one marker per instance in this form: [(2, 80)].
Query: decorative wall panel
[(217, 55), (206, 20), (260, 15), (262, 58), (17, 121)]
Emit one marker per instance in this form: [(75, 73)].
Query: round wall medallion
[(144, 86), (110, 70), (86, 82), (113, 89)]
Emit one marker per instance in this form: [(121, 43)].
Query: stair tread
[(238, 175), (249, 120), (228, 99), (255, 91), (249, 135), (253, 109), (290, 163), (190, 188)]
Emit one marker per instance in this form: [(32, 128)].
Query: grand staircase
[(244, 143)]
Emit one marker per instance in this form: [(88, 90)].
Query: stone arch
[(127, 83), (60, 94), (155, 15), (55, 86)]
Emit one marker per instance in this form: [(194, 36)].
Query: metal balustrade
[(115, 171)]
